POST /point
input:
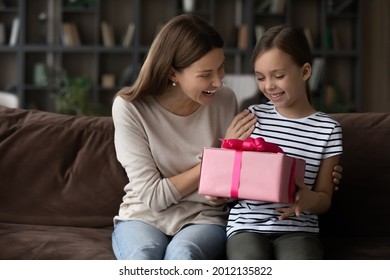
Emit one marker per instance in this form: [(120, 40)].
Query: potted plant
[(73, 95)]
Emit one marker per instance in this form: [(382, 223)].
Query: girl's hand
[(301, 202), (242, 126)]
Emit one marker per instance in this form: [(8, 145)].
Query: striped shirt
[(312, 138)]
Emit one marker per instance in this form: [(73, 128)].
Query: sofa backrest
[(62, 170), (58, 169), (361, 206)]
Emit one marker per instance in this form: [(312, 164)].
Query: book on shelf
[(317, 73), (13, 39), (309, 38), (335, 39), (66, 34), (232, 38), (338, 6), (108, 81), (75, 34), (333, 101), (126, 76), (107, 34), (259, 31), (129, 35), (277, 7), (331, 96), (2, 34), (264, 6), (242, 43), (70, 34), (332, 38)]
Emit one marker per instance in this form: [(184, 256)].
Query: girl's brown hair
[(182, 41), (288, 39)]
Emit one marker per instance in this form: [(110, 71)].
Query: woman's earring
[(173, 84)]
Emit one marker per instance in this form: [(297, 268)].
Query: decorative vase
[(188, 6)]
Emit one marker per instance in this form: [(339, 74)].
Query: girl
[(260, 230)]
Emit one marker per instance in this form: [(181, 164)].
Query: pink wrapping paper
[(263, 176)]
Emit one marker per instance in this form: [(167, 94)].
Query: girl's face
[(200, 81), (281, 80)]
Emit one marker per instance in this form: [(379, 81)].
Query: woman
[(177, 106)]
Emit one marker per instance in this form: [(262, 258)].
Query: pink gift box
[(263, 176)]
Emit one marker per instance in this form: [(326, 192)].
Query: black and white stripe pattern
[(312, 138)]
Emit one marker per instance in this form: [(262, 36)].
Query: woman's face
[(203, 78), (280, 79)]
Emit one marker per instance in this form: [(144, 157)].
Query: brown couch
[(60, 187)]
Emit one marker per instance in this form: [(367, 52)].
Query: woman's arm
[(186, 182), (132, 147), (241, 128)]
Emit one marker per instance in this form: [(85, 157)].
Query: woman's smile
[(209, 92)]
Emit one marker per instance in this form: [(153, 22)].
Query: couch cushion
[(361, 206), (58, 169), (357, 248), (34, 242)]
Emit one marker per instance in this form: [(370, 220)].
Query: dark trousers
[(289, 246)]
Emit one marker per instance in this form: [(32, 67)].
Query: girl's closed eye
[(260, 78)]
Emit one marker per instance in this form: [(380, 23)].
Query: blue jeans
[(136, 240)]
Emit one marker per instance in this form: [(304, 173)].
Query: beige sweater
[(153, 144)]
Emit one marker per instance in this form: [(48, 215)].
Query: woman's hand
[(216, 200), (337, 175), (242, 126)]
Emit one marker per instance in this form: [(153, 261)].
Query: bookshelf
[(10, 78), (42, 65), (333, 27)]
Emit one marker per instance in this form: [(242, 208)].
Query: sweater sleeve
[(133, 152)]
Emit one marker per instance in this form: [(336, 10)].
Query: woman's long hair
[(182, 41)]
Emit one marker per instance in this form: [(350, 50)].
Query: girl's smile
[(283, 82), (274, 97)]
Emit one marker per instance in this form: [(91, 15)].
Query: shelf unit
[(335, 34), (40, 44), (10, 61)]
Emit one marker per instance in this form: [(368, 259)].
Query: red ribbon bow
[(251, 144)]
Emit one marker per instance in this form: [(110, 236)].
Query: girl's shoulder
[(266, 108), (325, 118)]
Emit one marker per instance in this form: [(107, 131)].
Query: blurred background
[(72, 56)]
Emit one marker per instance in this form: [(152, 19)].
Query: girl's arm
[(319, 199)]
